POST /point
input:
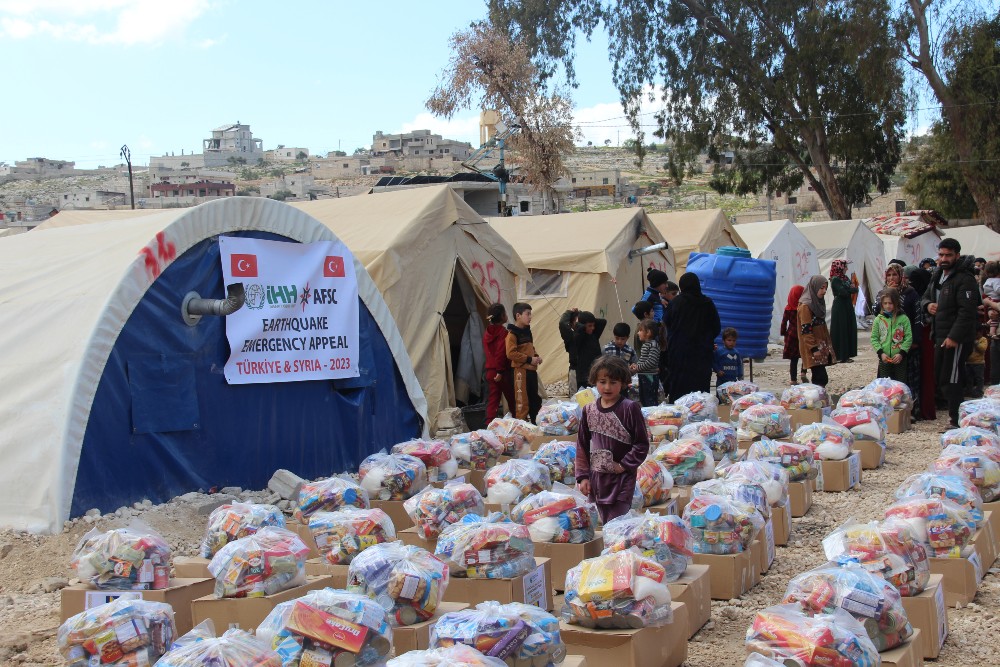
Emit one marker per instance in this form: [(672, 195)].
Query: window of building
[(793, 200), (416, 152), (542, 283), (345, 165), (574, 180), (604, 181), (87, 199), (525, 206), (447, 150), (65, 196)]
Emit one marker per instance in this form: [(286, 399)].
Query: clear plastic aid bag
[(432, 510), (231, 522), (757, 660), (889, 549), (490, 547), (771, 477), (638, 499), (236, 648), (835, 639), (654, 482), (407, 581), (435, 454), (562, 515), (992, 392), (123, 631), (512, 480), (342, 535), (864, 422), (805, 396), (741, 491), (459, 655), (664, 421), (515, 434), (764, 419), (985, 419), (943, 527), (559, 418), (268, 562), (132, 558), (721, 525), (967, 408), (478, 450), (830, 440), (623, 589), (970, 436), (730, 391), (515, 633), (689, 460), (392, 476), (896, 393), (753, 398), (979, 464), (720, 437), (702, 406), (327, 495), (665, 539), (863, 398), (559, 457), (951, 484), (798, 460)]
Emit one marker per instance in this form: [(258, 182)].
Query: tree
[(282, 195), (934, 177), (360, 150), (820, 83), (486, 65), (607, 142), (301, 156)]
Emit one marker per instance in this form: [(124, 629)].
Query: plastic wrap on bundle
[(870, 599), (889, 549), (992, 392), (515, 633), (834, 640), (768, 420), (432, 510), (328, 495), (702, 406), (798, 460), (562, 515), (663, 422), (828, 439), (435, 454), (951, 484), (805, 396), (342, 535), (515, 434), (236, 648), (654, 482), (943, 527), (559, 457), (863, 398), (268, 562), (730, 391), (896, 393), (133, 558), (478, 450), (392, 476), (970, 436), (665, 539), (515, 479), (771, 477), (757, 660), (326, 626), (126, 632), (559, 418), (231, 522), (638, 499), (753, 398), (720, 437), (405, 580), (967, 408), (988, 420), (621, 589), (490, 547), (689, 460), (742, 491), (721, 525), (459, 655), (865, 423), (979, 464)]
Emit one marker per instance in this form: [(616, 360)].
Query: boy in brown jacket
[(524, 362)]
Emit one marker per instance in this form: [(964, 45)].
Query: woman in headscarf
[(815, 345), (843, 323), (790, 330), (919, 279), (692, 325), (895, 278)]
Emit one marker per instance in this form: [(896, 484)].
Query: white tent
[(909, 236), (978, 241), (794, 256), (853, 241), (704, 230)]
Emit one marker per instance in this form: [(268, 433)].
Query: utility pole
[(127, 154)]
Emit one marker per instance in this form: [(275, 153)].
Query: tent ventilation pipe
[(193, 307), (657, 247)]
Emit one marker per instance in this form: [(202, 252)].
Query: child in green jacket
[(891, 336)]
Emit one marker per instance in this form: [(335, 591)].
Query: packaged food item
[(664, 421), (764, 419), (720, 437), (689, 460), (512, 480), (830, 440), (896, 393), (772, 477), (870, 599), (559, 418), (967, 408), (889, 549), (435, 454), (231, 522), (753, 398), (392, 476), (268, 562), (405, 580), (987, 419), (742, 491), (970, 436), (513, 633), (979, 464), (730, 391), (701, 405), (490, 547), (562, 515), (864, 398), (559, 457), (654, 482), (328, 495), (125, 632), (835, 639), (342, 535), (865, 423), (327, 627), (951, 484), (721, 525), (236, 648), (992, 392), (943, 527), (433, 509), (665, 539), (638, 499), (621, 589), (805, 396), (458, 655), (757, 660), (133, 558), (515, 434), (798, 460), (478, 450)]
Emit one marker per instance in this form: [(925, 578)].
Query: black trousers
[(819, 375), (949, 372)]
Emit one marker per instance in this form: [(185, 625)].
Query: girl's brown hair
[(893, 295), (615, 367)]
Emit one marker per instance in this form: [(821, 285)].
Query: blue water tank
[(743, 291)]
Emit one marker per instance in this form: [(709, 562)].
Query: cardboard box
[(928, 614), (477, 478), (899, 421), (682, 495), (412, 537), (985, 541), (993, 517), (907, 654), (872, 453), (694, 589), (762, 550), (800, 497), (667, 508), (564, 557), (802, 417), (725, 412), (302, 530), (781, 520), (189, 567), (178, 595), (418, 637), (730, 575), (574, 661), (247, 613), (394, 508), (961, 577), (498, 507), (664, 646), (839, 475), (537, 441), (533, 588), (321, 567), (462, 474)]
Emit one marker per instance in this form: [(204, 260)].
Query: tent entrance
[(464, 319)]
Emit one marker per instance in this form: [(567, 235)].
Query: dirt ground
[(29, 616)]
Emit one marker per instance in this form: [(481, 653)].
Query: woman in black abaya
[(692, 325)]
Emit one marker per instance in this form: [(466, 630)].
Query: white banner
[(300, 319)]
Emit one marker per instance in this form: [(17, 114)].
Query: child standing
[(790, 330), (499, 380), (648, 366), (991, 286), (891, 336), (728, 363), (619, 347), (524, 362), (975, 366), (612, 441)]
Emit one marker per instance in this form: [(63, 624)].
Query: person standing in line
[(975, 367), (895, 278), (524, 362), (692, 325), (891, 336), (618, 346), (648, 364), (843, 323), (790, 331), (815, 346), (728, 365), (567, 330), (585, 345), (499, 379), (919, 279), (655, 293)]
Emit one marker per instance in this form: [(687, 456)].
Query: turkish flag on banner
[(334, 267), (244, 266)]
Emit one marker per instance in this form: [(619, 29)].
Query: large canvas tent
[(96, 361), (585, 261), (909, 236), (853, 241), (704, 230), (794, 256), (978, 241), (439, 265)]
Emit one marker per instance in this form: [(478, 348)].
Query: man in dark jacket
[(567, 331), (951, 302), (585, 344)]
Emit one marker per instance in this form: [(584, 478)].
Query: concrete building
[(187, 193), (182, 161), (419, 144), (301, 185), (232, 141), (188, 175), (287, 154), (597, 183), (40, 167), (90, 199)]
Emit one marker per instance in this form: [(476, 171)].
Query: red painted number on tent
[(243, 266), (334, 267), (801, 264), (157, 259), (487, 282)]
